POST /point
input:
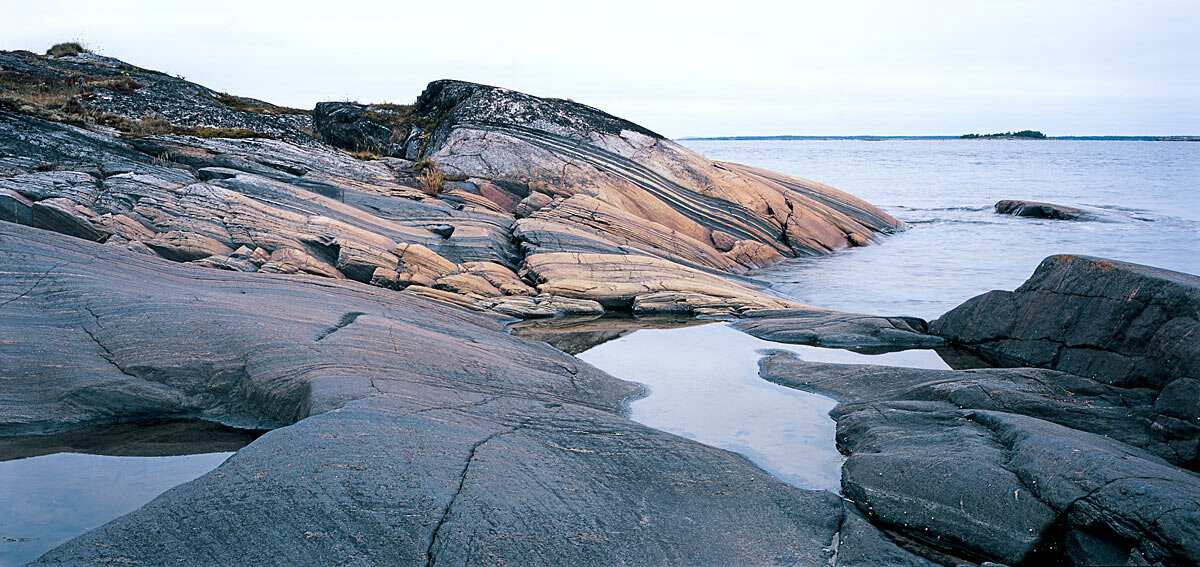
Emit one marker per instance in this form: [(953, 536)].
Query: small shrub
[(66, 49)]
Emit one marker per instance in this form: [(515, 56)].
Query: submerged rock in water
[(1037, 209)]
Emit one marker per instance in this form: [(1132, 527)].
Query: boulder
[(1018, 465), (355, 127), (1117, 322)]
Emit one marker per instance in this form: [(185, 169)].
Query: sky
[(692, 68)]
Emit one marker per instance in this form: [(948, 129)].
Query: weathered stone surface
[(419, 432), (579, 180), (1004, 464), (14, 207), (527, 144), (852, 331), (145, 92), (621, 281), (352, 126), (541, 306), (926, 468), (1125, 414), (571, 225), (1037, 209), (860, 543), (1118, 322)]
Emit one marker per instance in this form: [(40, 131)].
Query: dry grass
[(50, 97), (153, 125), (365, 155), (245, 105), (432, 178), (58, 98)]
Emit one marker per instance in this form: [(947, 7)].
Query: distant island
[(1023, 134), (1007, 135)]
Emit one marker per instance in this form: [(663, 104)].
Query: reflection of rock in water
[(574, 335), (961, 359), (156, 438)]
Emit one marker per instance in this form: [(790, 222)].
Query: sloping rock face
[(1117, 322), (502, 197), (561, 148), (413, 432), (110, 87), (1020, 466)]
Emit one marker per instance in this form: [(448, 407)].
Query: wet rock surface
[(411, 431), (1000, 464), (1118, 322), (1037, 209), (835, 329), (1034, 465)]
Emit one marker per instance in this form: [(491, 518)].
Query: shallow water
[(55, 495), (703, 384), (1144, 197)]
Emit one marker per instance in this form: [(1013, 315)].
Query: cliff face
[(507, 201)]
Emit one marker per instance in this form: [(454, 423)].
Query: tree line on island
[(1030, 134)]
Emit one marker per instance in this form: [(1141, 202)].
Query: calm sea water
[(1144, 196)]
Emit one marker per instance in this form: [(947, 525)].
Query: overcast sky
[(688, 68)]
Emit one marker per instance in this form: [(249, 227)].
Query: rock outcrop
[(501, 196), (1037, 209), (1019, 466), (360, 127), (1088, 460), (1117, 322), (409, 431)]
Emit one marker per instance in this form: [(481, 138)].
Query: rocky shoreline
[(345, 280)]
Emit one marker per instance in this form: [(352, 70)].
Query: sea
[(1142, 200)]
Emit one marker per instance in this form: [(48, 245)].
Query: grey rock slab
[(1118, 322), (852, 331)]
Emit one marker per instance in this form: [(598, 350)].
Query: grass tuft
[(66, 49), (432, 178)]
